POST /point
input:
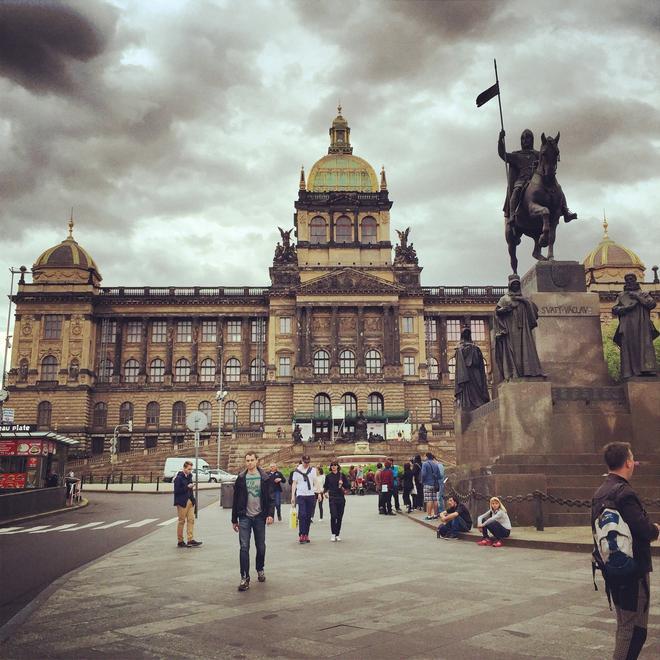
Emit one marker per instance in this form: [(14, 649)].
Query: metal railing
[(187, 292)]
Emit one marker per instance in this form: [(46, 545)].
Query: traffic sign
[(197, 420)]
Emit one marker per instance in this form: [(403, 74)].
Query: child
[(496, 521)]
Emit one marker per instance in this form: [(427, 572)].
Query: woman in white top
[(319, 483), (495, 522)]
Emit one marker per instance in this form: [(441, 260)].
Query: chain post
[(538, 510)]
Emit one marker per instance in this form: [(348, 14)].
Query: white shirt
[(302, 488)]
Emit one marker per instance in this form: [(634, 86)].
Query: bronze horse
[(540, 207)]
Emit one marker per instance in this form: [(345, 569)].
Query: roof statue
[(404, 254)]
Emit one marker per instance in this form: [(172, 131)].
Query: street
[(36, 552)]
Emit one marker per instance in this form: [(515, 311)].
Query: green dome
[(344, 172)]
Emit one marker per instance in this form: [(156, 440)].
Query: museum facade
[(345, 326)]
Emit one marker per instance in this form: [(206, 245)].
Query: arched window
[(178, 413), (350, 403), (372, 362), (433, 368), (156, 371), (100, 416), (207, 409), (257, 371), (256, 412), (375, 404), (347, 363), (451, 366), (369, 230), (23, 368), (207, 371), (231, 413), (125, 412), (343, 230), (322, 405), (49, 368), (233, 371), (44, 412), (318, 231), (321, 363), (105, 371), (131, 371), (153, 413), (182, 371), (435, 410)]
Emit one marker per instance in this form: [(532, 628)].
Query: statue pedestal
[(644, 401), (568, 337)]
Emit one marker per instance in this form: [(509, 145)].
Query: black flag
[(488, 94)]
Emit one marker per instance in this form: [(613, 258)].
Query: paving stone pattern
[(390, 589)]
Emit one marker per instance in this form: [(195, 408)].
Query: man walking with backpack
[(303, 495), (627, 581), (431, 481)]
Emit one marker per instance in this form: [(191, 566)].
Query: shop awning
[(15, 434)]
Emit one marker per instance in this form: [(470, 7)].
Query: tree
[(611, 351)]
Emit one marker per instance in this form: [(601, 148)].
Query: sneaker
[(261, 576), (485, 542), (307, 538), (333, 538), (181, 544), (497, 544), (244, 585), (338, 538), (301, 539), (194, 544)]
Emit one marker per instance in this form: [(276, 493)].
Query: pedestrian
[(184, 500), (440, 505), (496, 522), (418, 501), (631, 594), (335, 485), (319, 480), (455, 519), (431, 485), (395, 488), (303, 496), (379, 469), (386, 488), (278, 479), (408, 480), (251, 511)]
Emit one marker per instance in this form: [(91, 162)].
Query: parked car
[(175, 465)]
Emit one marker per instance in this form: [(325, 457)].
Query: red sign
[(13, 480), (32, 462), (26, 448), (8, 447)]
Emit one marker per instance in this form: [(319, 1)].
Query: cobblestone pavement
[(389, 589)]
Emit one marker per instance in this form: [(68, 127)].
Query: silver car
[(214, 476)]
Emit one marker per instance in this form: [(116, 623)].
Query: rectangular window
[(234, 331), (159, 332), (478, 329), (184, 332), (209, 331), (431, 330), (134, 332), (285, 365), (52, 326), (258, 331), (408, 324), (108, 331), (408, 365), (453, 329), (285, 325)]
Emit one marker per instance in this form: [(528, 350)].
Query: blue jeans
[(497, 530), (305, 512), (278, 503), (246, 525), (453, 527)]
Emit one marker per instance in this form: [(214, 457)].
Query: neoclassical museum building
[(345, 320)]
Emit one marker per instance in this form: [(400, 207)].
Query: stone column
[(387, 337), (334, 333), (245, 346), (116, 367), (143, 347), (308, 337), (300, 337), (396, 358), (196, 329), (219, 348), (169, 349), (442, 345)]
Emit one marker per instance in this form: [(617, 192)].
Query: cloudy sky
[(176, 129)]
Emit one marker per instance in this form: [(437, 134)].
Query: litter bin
[(227, 495)]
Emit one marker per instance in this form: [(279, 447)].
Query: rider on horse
[(521, 168)]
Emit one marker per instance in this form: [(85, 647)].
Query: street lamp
[(220, 397), (13, 272)]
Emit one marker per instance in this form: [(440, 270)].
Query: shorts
[(430, 493)]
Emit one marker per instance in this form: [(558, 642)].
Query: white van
[(174, 465)]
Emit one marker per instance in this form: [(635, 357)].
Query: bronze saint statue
[(470, 384), (636, 332), (361, 427), (534, 200), (515, 348)]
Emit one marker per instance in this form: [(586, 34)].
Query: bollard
[(538, 510), (121, 477), (107, 482), (113, 478), (132, 481), (82, 481), (157, 484), (151, 477)]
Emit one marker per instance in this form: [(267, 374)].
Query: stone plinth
[(554, 277), (644, 401)]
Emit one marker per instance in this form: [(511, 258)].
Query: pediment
[(350, 281)]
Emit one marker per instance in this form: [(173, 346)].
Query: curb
[(84, 502)]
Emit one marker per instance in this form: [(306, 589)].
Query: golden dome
[(610, 254)]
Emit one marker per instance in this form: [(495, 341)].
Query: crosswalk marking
[(141, 523), (113, 524), (9, 530), (36, 530), (168, 522), (85, 526)]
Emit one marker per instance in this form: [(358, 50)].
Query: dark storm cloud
[(43, 41)]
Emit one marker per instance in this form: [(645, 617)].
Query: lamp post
[(220, 397), (13, 271)]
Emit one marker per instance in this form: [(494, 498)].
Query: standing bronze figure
[(636, 332), (535, 200), (470, 384)]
